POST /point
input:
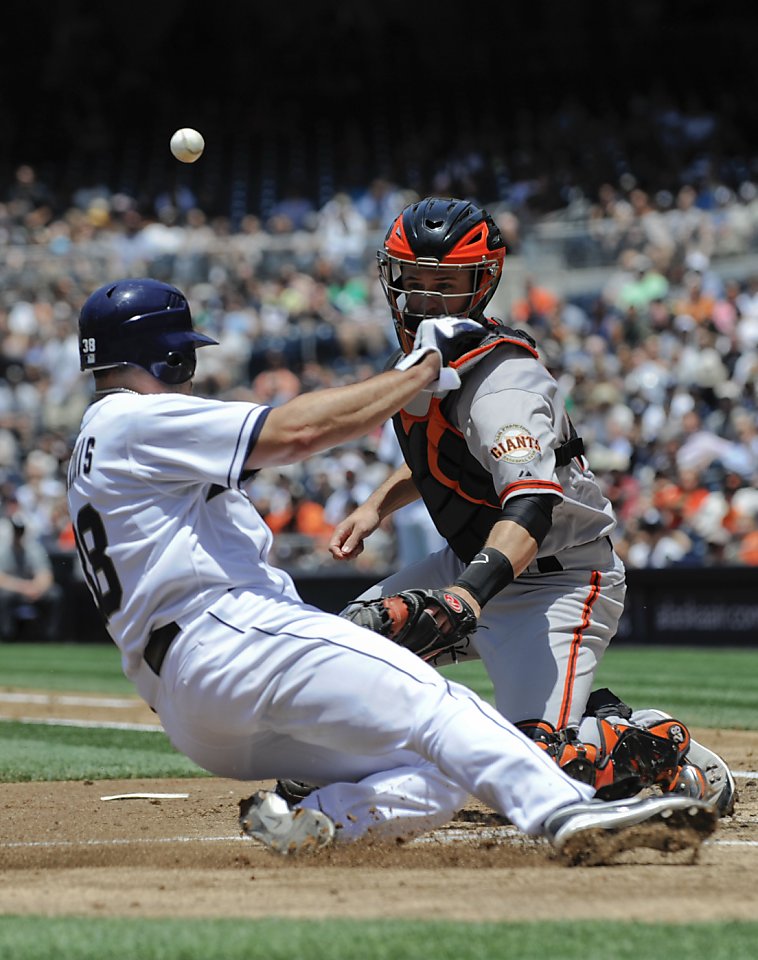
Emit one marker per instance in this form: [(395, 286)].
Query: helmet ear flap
[(178, 366)]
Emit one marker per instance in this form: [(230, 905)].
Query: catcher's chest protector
[(457, 490)]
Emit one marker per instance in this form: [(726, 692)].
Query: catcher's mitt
[(427, 622)]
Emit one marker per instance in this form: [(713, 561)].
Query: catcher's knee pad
[(542, 732)]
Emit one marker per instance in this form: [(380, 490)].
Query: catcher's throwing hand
[(427, 622), (346, 541)]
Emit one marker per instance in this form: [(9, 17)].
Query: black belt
[(554, 565), (549, 565), (158, 644)]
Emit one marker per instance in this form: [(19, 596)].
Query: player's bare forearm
[(515, 542), (326, 418), (398, 490)]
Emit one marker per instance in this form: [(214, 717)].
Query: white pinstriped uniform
[(257, 684), (543, 636)]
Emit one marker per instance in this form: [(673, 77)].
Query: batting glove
[(441, 335)]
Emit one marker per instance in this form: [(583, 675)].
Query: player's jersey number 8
[(101, 576)]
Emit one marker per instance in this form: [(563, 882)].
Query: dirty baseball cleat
[(266, 817), (712, 780), (594, 831)]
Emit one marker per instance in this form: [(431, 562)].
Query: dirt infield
[(66, 850)]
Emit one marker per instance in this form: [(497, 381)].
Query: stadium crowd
[(660, 362)]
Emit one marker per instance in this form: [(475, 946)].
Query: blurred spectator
[(645, 285), (300, 515), (28, 591), (276, 383), (41, 493), (747, 552), (695, 303), (353, 492), (657, 545), (535, 307), (342, 231)]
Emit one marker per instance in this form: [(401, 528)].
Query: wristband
[(488, 573)]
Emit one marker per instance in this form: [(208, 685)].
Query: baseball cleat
[(266, 817), (713, 771), (593, 831)]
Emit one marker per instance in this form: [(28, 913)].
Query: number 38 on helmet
[(143, 322)]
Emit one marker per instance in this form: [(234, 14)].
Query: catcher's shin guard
[(617, 759), (641, 758), (698, 772), (702, 772)]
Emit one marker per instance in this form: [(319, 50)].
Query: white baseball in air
[(187, 145)]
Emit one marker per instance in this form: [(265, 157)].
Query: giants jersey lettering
[(154, 482)]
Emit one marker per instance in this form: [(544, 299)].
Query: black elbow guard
[(533, 512)]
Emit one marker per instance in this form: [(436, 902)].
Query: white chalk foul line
[(69, 700), (118, 842), (89, 724), (504, 835)]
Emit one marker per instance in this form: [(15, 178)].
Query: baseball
[(187, 145)]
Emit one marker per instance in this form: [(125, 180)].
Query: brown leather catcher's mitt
[(427, 622)]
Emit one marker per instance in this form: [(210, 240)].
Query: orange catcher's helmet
[(441, 257)]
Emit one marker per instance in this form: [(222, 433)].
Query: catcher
[(502, 472)]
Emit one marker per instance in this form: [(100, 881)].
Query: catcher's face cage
[(423, 287), (144, 323), (435, 236)]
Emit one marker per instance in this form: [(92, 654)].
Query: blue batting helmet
[(142, 322)]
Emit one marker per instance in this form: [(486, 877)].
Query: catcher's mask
[(440, 257), (142, 322)]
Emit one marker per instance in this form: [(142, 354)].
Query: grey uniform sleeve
[(511, 425)]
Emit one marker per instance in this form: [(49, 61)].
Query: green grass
[(704, 687), (63, 666), (701, 687), (35, 751), (26, 938)]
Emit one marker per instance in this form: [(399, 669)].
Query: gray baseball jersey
[(513, 417), (543, 636)]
